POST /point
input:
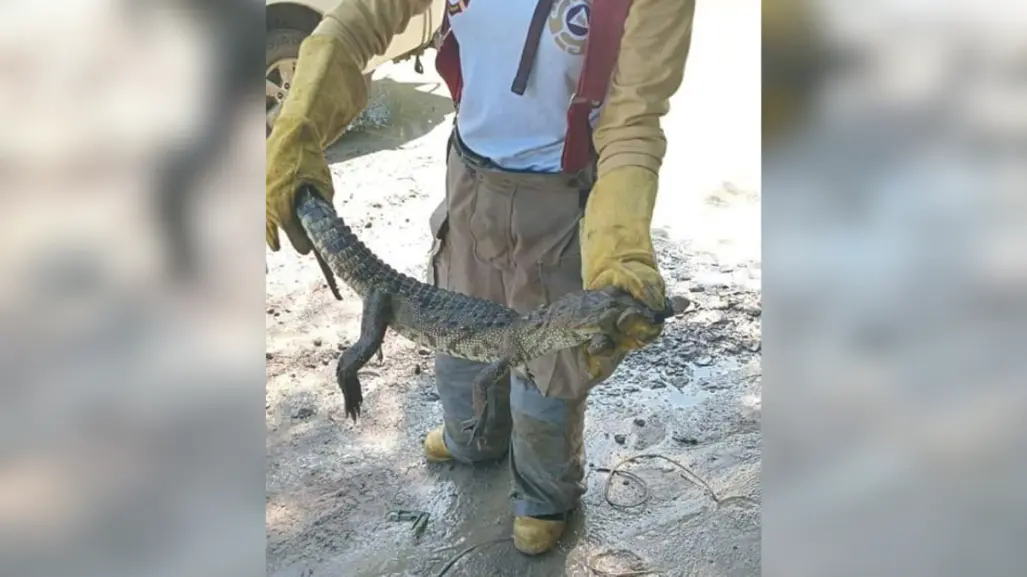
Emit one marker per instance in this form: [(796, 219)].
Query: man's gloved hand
[(327, 92), (617, 250)]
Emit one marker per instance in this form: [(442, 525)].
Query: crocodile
[(449, 322)]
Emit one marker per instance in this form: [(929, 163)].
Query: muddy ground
[(694, 396)]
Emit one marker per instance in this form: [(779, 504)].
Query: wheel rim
[(277, 82)]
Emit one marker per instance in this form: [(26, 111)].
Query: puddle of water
[(716, 370), (681, 398)]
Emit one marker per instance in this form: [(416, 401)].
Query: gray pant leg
[(454, 377), (547, 451)]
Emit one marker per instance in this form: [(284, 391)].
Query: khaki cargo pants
[(512, 237)]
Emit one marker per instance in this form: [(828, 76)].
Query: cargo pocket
[(437, 272), (559, 272), (563, 374)]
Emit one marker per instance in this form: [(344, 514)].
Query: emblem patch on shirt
[(568, 22), (455, 7)]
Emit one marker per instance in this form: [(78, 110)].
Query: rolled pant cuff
[(535, 509)]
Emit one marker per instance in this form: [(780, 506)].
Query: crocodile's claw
[(475, 429), (476, 426), (349, 384), (601, 344)]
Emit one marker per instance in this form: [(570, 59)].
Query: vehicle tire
[(282, 50)]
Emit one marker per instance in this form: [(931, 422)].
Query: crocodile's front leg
[(483, 402), (375, 318)]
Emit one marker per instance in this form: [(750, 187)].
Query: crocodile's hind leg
[(374, 320), (484, 403)]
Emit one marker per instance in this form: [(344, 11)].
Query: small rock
[(631, 389), (697, 288), (267, 405), (325, 361), (639, 422), (341, 346), (348, 459), (624, 482), (684, 440), (659, 385), (269, 355), (680, 303), (720, 321), (717, 304), (417, 369), (367, 224), (704, 361), (431, 395), (276, 313), (318, 342), (619, 439), (754, 347), (423, 352), (270, 310), (303, 413)]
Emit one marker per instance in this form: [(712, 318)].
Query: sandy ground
[(693, 396)]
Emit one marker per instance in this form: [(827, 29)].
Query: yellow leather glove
[(328, 91), (617, 250)]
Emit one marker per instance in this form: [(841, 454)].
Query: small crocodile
[(452, 323)]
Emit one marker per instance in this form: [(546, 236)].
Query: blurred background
[(894, 237), (132, 369), (894, 249)]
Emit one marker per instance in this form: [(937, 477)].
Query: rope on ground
[(591, 561), (449, 565), (646, 494), (691, 477), (616, 470)]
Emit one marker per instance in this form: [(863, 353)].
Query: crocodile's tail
[(335, 242)]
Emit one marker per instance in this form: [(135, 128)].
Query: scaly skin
[(452, 323)]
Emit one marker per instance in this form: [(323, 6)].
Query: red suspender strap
[(606, 26), (447, 60)]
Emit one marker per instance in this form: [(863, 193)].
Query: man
[(508, 229)]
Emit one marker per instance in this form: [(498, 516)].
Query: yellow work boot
[(435, 447), (532, 536)]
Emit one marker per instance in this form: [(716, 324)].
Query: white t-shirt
[(518, 132)]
